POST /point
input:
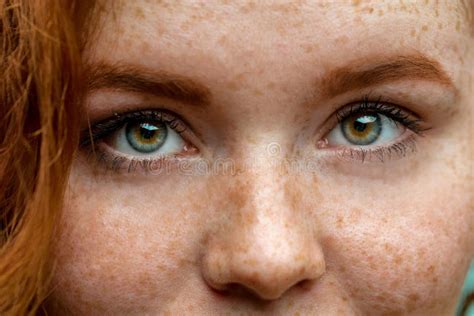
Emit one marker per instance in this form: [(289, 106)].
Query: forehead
[(285, 36)]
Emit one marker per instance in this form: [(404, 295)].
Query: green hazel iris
[(362, 129), (146, 137)]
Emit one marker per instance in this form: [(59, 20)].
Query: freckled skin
[(340, 238)]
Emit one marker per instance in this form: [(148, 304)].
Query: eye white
[(172, 145)]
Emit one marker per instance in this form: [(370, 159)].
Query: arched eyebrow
[(355, 75), (133, 78), (366, 73)]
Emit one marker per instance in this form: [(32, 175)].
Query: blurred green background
[(468, 288)]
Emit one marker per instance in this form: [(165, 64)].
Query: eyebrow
[(363, 74), (356, 75), (136, 79)]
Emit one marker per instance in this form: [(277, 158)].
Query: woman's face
[(250, 157)]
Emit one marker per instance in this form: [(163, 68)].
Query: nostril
[(240, 290), (304, 285)]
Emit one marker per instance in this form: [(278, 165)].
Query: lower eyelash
[(109, 162), (394, 151)]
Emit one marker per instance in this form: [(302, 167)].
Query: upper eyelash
[(112, 124), (409, 119)]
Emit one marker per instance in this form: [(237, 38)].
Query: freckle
[(398, 260), (421, 252), (339, 222), (222, 40), (424, 28), (369, 10), (308, 48), (355, 214), (247, 8), (372, 264), (342, 39), (145, 47), (458, 26), (139, 13), (380, 298), (430, 271), (232, 85), (414, 297), (270, 85), (413, 33), (257, 92), (185, 26), (381, 12), (356, 2), (238, 197), (395, 283)]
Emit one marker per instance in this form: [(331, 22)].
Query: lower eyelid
[(109, 160), (393, 151)]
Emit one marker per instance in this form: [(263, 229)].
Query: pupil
[(147, 131), (146, 137), (360, 127)]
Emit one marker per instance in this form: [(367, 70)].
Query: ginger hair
[(39, 127)]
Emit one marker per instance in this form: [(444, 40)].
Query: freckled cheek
[(398, 267), (125, 246)]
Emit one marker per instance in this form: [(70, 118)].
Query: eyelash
[(108, 126), (396, 113)]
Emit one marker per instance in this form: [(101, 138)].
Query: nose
[(266, 246)]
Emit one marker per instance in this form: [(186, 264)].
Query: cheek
[(400, 254), (123, 246)]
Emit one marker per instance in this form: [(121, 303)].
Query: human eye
[(369, 130), (140, 139)]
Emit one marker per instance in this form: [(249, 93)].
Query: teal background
[(468, 288)]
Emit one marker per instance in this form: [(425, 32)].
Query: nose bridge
[(265, 246)]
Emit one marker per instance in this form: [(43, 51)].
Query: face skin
[(337, 236)]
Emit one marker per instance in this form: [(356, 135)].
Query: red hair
[(38, 136)]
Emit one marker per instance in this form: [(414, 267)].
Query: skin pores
[(337, 236)]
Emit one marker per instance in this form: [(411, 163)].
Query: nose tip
[(265, 244), (264, 277)]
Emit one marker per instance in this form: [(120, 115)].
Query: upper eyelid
[(378, 104)]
